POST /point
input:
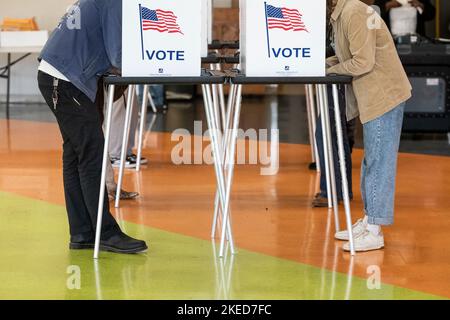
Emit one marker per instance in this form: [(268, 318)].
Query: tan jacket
[(365, 50)]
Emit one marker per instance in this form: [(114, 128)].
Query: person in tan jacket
[(365, 50)]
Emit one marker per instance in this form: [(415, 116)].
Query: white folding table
[(5, 71)]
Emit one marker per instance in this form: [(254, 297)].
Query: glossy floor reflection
[(285, 248)]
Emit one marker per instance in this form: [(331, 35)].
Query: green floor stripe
[(36, 264)]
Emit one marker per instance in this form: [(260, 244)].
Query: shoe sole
[(320, 205), (344, 239), (365, 250), (127, 166), (77, 246), (126, 251), (112, 198), (80, 246)]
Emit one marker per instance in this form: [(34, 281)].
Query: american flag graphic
[(284, 18), (159, 20)]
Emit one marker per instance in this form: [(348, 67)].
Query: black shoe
[(132, 158), (81, 242), (320, 201), (121, 243)]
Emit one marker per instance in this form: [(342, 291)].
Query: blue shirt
[(87, 43)]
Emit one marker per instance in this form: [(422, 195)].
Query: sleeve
[(429, 13), (332, 61), (112, 31), (362, 42)]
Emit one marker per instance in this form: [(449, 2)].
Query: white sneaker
[(358, 228), (367, 241), (115, 162)]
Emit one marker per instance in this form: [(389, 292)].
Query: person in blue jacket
[(86, 44)]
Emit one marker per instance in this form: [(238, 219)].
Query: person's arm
[(332, 61), (384, 13), (362, 45), (429, 11), (112, 31), (392, 4)]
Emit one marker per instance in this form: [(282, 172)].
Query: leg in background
[(320, 200)]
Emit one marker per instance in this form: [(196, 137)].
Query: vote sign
[(283, 37), (161, 38)]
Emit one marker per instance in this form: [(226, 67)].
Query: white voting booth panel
[(205, 18), (161, 38), (210, 8), (283, 37)]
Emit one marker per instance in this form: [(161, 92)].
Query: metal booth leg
[(230, 163), (152, 103), (142, 127), (331, 157), (310, 125), (310, 90), (101, 197), (321, 105), (345, 191), (126, 134), (225, 146), (218, 164)]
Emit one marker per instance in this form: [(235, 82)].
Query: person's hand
[(392, 4), (417, 4)]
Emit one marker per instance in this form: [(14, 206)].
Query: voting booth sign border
[(161, 38), (210, 15), (206, 17), (283, 38)]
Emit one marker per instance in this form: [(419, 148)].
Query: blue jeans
[(347, 147), (379, 166), (157, 92)]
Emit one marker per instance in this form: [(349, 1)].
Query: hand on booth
[(332, 61)]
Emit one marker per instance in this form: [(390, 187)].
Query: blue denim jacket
[(87, 43)]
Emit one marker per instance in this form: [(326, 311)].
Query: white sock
[(374, 229)]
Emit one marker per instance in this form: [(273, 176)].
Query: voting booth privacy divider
[(207, 25), (161, 38), (283, 38)]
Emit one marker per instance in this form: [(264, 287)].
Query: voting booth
[(282, 41), (283, 38), (162, 38)]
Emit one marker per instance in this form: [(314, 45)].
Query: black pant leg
[(80, 124), (79, 218), (319, 141)]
